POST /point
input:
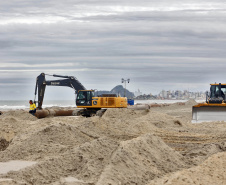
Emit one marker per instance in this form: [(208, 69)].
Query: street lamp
[(124, 81)]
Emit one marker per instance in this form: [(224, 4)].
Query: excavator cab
[(84, 98), (217, 93)]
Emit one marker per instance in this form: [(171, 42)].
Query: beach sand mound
[(124, 146), (85, 163), (212, 171), (179, 105), (181, 111), (163, 120), (19, 115), (130, 124), (123, 114), (191, 102), (176, 106), (106, 161), (9, 126), (202, 152), (140, 159), (159, 119), (44, 142), (5, 181)]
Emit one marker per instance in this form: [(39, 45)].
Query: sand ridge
[(124, 146), (211, 171)]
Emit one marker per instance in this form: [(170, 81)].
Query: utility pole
[(124, 81)]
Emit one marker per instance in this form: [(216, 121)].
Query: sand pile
[(181, 111), (106, 161), (202, 152), (139, 122), (138, 160), (163, 120), (124, 146), (123, 114), (44, 142), (10, 126), (19, 114), (115, 123), (5, 181), (84, 162), (191, 103), (212, 171)]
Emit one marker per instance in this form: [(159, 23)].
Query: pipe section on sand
[(51, 113)]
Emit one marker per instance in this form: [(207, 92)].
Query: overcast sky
[(158, 44)]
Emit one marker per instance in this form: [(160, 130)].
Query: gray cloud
[(159, 45)]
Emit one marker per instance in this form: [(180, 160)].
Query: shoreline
[(26, 107)]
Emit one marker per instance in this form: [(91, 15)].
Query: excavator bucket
[(207, 113)]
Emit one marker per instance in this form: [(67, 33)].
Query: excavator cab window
[(214, 91), (223, 90), (81, 95), (88, 95), (217, 93), (84, 98), (93, 93)]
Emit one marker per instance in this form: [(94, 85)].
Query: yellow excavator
[(214, 109), (86, 101)]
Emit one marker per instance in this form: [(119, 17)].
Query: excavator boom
[(41, 84)]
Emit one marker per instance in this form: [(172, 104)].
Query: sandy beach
[(123, 147)]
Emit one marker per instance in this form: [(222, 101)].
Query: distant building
[(180, 95), (138, 93), (163, 94)]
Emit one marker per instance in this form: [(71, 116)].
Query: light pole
[(124, 81)]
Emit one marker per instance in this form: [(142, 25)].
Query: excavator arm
[(41, 83)]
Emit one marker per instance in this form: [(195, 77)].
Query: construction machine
[(214, 109), (86, 101)]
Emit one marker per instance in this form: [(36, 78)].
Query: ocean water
[(24, 104)]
